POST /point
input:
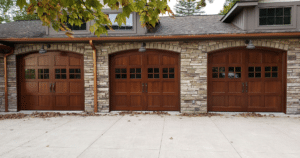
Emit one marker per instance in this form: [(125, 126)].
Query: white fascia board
[(237, 6)]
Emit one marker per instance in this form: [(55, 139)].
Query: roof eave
[(154, 38), (236, 9)]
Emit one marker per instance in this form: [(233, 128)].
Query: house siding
[(193, 77), (272, 1), (239, 20)]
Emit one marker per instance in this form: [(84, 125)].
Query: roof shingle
[(189, 25)]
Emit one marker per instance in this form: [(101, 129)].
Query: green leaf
[(40, 11), (21, 3)]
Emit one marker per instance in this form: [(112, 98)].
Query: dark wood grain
[(151, 91), (56, 90), (254, 91)]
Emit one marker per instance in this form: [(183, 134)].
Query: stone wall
[(193, 69), (193, 82), (12, 83), (2, 101)]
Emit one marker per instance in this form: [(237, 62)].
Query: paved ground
[(151, 136)]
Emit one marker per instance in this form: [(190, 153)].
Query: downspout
[(5, 78), (95, 76)]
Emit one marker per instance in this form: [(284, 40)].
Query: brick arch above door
[(137, 45), (57, 47), (240, 43)]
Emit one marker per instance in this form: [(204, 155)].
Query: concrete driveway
[(151, 136)]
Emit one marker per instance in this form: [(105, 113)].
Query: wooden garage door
[(246, 81), (144, 81), (51, 81)]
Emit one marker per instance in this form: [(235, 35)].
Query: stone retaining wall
[(193, 69)]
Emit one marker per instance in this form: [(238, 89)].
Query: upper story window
[(275, 16), (115, 26), (74, 27)]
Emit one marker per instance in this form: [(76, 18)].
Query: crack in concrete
[(100, 136), (162, 135), (225, 137)]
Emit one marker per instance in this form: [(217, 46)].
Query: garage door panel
[(120, 100), (219, 87), (135, 87), (255, 58), (45, 100), (61, 87), (44, 60), (154, 100), (76, 100), (273, 87), (255, 87), (121, 87), (168, 101), (75, 61), (153, 59), (135, 101), (30, 61), (219, 59), (44, 87), (236, 101), (168, 60), (218, 100), (168, 87), (272, 101), (135, 60), (61, 60), (61, 100), (30, 87), (235, 58), (154, 87), (76, 87), (271, 58), (234, 87), (30, 101), (121, 61), (255, 101)]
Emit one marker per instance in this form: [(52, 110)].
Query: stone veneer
[(193, 69)]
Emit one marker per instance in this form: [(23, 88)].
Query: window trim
[(275, 17), (275, 5), (125, 25), (79, 30), (76, 32), (134, 25)]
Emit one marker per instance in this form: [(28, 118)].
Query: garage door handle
[(243, 87), (142, 87), (50, 87), (146, 87), (246, 87), (53, 88)]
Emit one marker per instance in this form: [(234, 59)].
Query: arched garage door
[(247, 80), (51, 81), (144, 81)]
